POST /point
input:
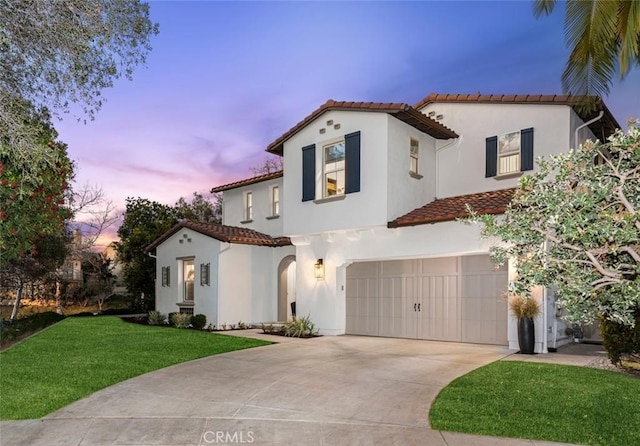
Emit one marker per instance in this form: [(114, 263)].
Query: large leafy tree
[(58, 53), (604, 37), (576, 224), (33, 192), (145, 221)]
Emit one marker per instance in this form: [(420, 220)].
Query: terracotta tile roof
[(224, 233), (602, 128), (246, 182), (446, 209), (401, 111)]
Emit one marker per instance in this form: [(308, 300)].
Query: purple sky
[(224, 79)]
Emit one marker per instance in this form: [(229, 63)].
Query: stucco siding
[(359, 209), (404, 191), (203, 250), (461, 166), (233, 208)]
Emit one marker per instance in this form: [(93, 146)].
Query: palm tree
[(604, 36)]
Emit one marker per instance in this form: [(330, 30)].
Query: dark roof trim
[(401, 111)]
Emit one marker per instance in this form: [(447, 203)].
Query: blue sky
[(224, 79)]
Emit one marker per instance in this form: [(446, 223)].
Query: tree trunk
[(16, 305), (58, 298)]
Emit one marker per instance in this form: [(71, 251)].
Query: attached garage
[(448, 299)]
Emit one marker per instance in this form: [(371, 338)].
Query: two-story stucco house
[(360, 228)]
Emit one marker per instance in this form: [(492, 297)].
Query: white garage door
[(449, 299)]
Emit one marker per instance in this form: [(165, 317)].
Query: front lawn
[(79, 356), (542, 402)]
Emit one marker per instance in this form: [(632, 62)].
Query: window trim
[(511, 153), (325, 145), (184, 279), (247, 207), (274, 205), (414, 156)]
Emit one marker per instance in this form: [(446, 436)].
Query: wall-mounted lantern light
[(319, 269)]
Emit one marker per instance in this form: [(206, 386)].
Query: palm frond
[(591, 33), (543, 7), (629, 35)]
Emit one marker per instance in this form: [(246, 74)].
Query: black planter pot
[(526, 335)]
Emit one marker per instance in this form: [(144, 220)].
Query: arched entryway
[(286, 287)]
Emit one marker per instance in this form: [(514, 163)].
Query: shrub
[(524, 307), (300, 327), (180, 320), (156, 318), (619, 340), (12, 329), (198, 321)]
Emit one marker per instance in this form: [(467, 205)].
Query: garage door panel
[(439, 266), (459, 297)]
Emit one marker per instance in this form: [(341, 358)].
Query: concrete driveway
[(344, 390)]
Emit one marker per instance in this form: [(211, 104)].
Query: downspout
[(457, 142), (218, 282), (575, 134)]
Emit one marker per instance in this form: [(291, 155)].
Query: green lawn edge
[(78, 356), (547, 402)]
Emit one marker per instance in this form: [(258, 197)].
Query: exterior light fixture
[(318, 269)]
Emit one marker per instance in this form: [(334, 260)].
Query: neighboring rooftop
[(224, 233), (401, 111), (446, 209), (601, 129), (246, 182)]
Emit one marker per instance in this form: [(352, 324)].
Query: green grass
[(542, 402), (79, 356)]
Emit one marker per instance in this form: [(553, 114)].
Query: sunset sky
[(224, 79)]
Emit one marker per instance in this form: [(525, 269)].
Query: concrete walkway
[(344, 390)]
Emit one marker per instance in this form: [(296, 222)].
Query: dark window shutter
[(491, 159), (309, 172), (352, 162), (526, 149)]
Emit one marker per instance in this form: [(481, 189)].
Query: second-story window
[(414, 151), (334, 179), (509, 153), (275, 201), (248, 206)]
